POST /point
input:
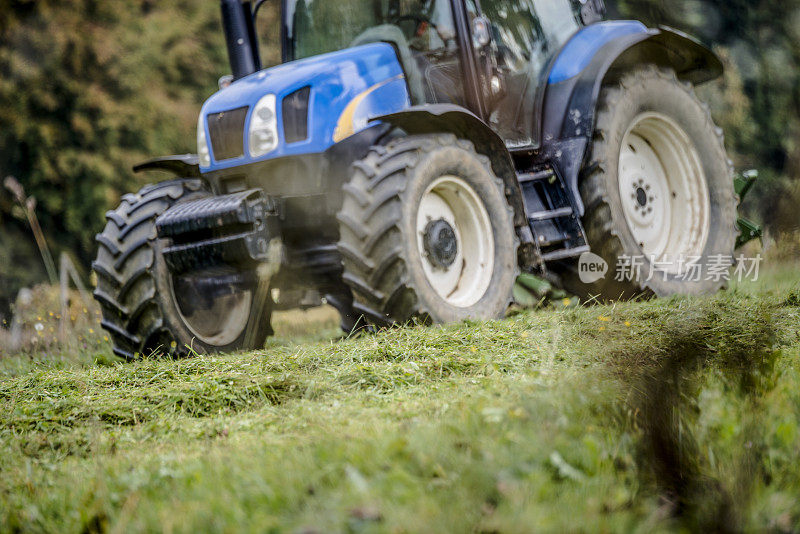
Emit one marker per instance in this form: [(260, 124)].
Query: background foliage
[(758, 102), (88, 88)]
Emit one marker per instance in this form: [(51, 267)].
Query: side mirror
[(225, 81), (592, 11), (481, 34)]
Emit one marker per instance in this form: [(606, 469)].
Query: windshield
[(422, 32), (319, 26)]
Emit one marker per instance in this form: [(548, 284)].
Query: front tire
[(145, 309), (658, 191), (427, 233)]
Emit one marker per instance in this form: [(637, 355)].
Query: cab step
[(565, 253), (552, 215), (538, 176)]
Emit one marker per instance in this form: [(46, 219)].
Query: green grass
[(650, 416)]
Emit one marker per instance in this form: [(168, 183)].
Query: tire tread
[(126, 286)]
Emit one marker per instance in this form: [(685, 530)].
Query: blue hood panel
[(364, 82)]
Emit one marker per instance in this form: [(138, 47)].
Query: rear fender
[(571, 97), (570, 103), (449, 118)]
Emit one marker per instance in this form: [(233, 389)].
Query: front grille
[(295, 116), (226, 131)]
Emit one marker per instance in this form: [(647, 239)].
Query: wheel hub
[(641, 197), (441, 243), (644, 201)]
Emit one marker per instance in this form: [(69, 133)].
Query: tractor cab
[(487, 57)]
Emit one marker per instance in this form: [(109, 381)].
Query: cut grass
[(681, 413)]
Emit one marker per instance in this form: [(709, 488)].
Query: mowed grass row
[(640, 416)]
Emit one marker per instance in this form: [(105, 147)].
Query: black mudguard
[(569, 106), (184, 166)]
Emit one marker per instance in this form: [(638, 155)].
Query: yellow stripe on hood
[(345, 127)]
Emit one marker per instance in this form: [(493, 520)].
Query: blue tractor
[(409, 159)]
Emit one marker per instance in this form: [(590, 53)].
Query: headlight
[(263, 137), (202, 144)]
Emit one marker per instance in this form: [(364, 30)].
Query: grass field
[(650, 416)]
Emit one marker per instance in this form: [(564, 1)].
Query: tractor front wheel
[(146, 309), (427, 233)]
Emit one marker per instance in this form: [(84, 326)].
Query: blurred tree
[(88, 88)]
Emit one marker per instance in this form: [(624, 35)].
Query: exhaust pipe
[(237, 21)]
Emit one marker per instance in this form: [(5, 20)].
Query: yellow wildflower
[(517, 413)]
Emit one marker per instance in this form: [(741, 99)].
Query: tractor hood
[(317, 102)]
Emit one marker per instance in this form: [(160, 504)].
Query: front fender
[(183, 166)]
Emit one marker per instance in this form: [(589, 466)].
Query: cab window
[(526, 34)]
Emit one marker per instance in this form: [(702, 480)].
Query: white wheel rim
[(464, 282), (219, 324), (663, 190)]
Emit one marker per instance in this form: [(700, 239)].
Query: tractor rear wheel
[(426, 233), (658, 192), (145, 308)]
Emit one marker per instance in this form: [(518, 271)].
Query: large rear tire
[(145, 309), (658, 192), (427, 233)]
